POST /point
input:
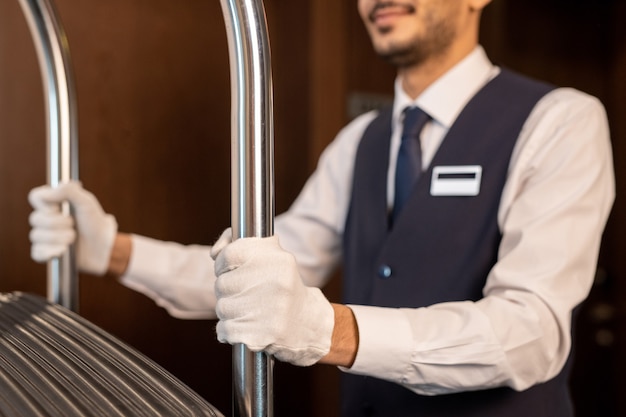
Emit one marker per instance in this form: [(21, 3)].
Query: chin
[(393, 47)]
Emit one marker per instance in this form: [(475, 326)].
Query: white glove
[(262, 302), (52, 232)]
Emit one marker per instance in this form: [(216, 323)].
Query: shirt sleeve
[(553, 211), (312, 228), (179, 278)]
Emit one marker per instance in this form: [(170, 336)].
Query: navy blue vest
[(439, 249)]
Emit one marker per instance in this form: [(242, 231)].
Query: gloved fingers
[(249, 267), (52, 231), (263, 337), (95, 228), (46, 197), (233, 303), (262, 303), (226, 286), (63, 237), (72, 191), (232, 255), (45, 252), (298, 356), (227, 333), (50, 219)]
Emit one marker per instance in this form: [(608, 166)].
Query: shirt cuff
[(382, 330), (144, 271)]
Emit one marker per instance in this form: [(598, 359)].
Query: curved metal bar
[(252, 170), (62, 131)]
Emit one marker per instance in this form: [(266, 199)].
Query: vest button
[(384, 271)]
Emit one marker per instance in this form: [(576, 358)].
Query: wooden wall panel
[(22, 148), (154, 119), (327, 59), (367, 72), (153, 89)]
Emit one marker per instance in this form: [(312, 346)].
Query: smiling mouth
[(389, 8)]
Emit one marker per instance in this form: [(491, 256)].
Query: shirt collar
[(447, 96)]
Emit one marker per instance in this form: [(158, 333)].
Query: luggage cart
[(55, 363)]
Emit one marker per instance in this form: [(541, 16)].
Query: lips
[(387, 10)]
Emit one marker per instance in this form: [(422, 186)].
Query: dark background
[(153, 106)]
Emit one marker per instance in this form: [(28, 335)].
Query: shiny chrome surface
[(252, 201), (62, 131), (53, 362)]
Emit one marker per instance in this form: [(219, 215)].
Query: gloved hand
[(52, 232), (262, 302)]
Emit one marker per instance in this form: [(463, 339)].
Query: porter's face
[(409, 32)]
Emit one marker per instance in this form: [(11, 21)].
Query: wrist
[(120, 254), (345, 338)]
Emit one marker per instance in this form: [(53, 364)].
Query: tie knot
[(414, 121)]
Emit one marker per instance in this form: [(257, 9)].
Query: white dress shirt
[(554, 206)]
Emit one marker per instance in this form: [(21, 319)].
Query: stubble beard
[(419, 49)]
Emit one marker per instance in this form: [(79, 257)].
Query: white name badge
[(456, 180)]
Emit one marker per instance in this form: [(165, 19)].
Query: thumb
[(225, 239)]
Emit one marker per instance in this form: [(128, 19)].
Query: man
[(458, 304)]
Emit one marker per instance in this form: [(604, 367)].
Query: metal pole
[(62, 131), (252, 170)]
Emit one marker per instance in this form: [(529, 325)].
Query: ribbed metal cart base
[(55, 363)]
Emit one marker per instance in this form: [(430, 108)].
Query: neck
[(418, 77)]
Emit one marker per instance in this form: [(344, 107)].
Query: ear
[(478, 5)]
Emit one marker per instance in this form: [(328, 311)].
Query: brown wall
[(154, 118), (153, 95)]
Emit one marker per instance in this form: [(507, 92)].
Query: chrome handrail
[(62, 130), (252, 170), (252, 133)]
